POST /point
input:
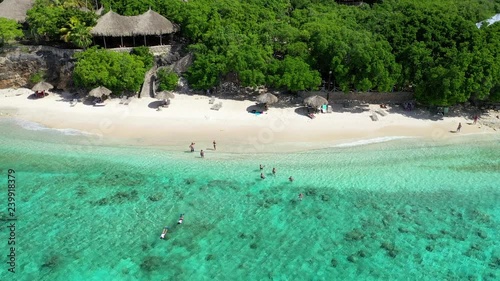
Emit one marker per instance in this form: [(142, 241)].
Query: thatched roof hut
[(15, 9), (114, 25), (150, 23)]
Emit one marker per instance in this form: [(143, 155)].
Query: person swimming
[(301, 196), (165, 230), (181, 219), (262, 176), (290, 179)]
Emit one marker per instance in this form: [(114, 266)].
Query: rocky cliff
[(19, 64)]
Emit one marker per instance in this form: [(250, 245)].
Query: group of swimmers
[(165, 229), (202, 153), (262, 176)]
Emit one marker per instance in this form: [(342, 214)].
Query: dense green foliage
[(167, 80), (114, 70), (144, 55), (37, 77), (61, 20), (9, 29), (432, 47)]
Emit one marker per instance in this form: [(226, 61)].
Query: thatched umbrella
[(99, 92), (42, 86), (315, 101), (164, 95), (267, 98)]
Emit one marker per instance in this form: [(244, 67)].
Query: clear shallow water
[(400, 210)]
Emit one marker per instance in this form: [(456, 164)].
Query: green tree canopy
[(114, 70), (432, 47), (9, 30), (47, 19)]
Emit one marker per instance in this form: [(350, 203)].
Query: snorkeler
[(181, 219), (165, 230)]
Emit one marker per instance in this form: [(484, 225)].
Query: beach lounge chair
[(216, 106), (329, 109), (73, 102), (381, 112), (212, 100), (167, 103), (374, 116), (123, 99), (127, 101)]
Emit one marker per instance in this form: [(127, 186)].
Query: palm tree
[(77, 33)]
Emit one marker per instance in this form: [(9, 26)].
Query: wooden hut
[(148, 24)]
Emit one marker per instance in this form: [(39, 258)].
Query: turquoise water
[(401, 210)]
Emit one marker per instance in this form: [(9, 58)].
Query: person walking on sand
[(262, 176), (202, 153), (191, 146), (459, 127), (215, 145), (274, 171), (475, 119)]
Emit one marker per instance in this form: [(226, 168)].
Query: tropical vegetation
[(433, 48), (116, 71), (167, 80), (9, 30)]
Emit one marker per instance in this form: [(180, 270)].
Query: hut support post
[(145, 44), (133, 38), (104, 38), (160, 41), (121, 38)]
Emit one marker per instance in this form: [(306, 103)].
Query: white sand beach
[(189, 118)]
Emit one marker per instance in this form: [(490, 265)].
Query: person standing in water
[(191, 146), (262, 176), (164, 232), (181, 219), (261, 167), (202, 153), (215, 145), (301, 196), (290, 179), (274, 171)]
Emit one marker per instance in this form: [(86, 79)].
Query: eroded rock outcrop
[(19, 64)]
